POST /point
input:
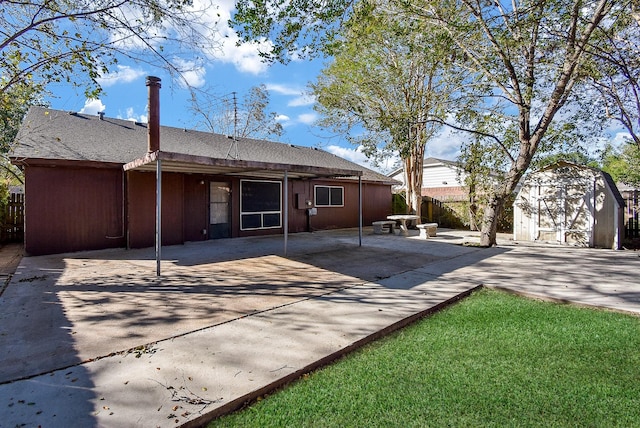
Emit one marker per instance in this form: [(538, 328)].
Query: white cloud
[(92, 106), (124, 74), (302, 101), (357, 156), (307, 118), (302, 97), (353, 155), (446, 144), (208, 27), (192, 73), (245, 57), (131, 115), (283, 118), (284, 89), (620, 138)]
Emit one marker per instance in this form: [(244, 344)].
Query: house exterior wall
[(73, 209), (439, 181), (141, 209), (440, 176), (376, 205), (83, 208), (446, 194), (435, 175), (196, 200)]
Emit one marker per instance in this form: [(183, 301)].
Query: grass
[(493, 359)]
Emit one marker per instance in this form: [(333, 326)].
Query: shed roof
[(605, 175), (49, 134)]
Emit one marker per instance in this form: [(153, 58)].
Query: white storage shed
[(569, 204)]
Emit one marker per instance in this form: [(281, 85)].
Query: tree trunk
[(490, 220), (413, 176), (473, 207), (498, 197), (413, 169)]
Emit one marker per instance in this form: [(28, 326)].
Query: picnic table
[(403, 219)]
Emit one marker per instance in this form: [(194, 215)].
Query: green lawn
[(492, 359)]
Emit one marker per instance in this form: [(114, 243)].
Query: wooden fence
[(13, 219), (442, 213), (631, 214)]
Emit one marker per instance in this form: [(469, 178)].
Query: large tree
[(613, 73), (77, 42), (623, 163), (391, 80), (526, 58), (14, 104)]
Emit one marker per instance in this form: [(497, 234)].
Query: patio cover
[(159, 161)]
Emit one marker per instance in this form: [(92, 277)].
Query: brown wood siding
[(376, 205), (196, 200), (298, 217), (141, 201), (76, 209), (72, 209)]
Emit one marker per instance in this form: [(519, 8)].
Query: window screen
[(260, 204)]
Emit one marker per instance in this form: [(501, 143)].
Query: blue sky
[(228, 69), (231, 68)]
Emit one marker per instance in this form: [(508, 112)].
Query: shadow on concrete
[(33, 332), (60, 311), (73, 308)]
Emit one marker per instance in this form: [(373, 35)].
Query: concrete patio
[(95, 339)]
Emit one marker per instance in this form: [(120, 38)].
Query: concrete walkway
[(94, 339)]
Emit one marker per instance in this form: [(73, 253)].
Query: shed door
[(219, 212), (564, 214)]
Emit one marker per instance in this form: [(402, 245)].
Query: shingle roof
[(57, 135)]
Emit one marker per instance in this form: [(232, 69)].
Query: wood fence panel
[(440, 212), (13, 219), (632, 214)]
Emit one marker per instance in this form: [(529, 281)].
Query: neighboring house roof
[(435, 161), (57, 135)]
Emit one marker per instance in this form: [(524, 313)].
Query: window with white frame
[(329, 196), (260, 204)]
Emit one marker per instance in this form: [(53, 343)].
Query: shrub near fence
[(444, 213), (452, 214), (13, 219)]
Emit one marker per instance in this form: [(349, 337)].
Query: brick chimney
[(153, 124)]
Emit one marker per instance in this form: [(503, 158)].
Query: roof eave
[(180, 162)]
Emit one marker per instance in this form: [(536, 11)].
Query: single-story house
[(90, 183), (569, 204)]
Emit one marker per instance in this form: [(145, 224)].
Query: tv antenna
[(233, 148)]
